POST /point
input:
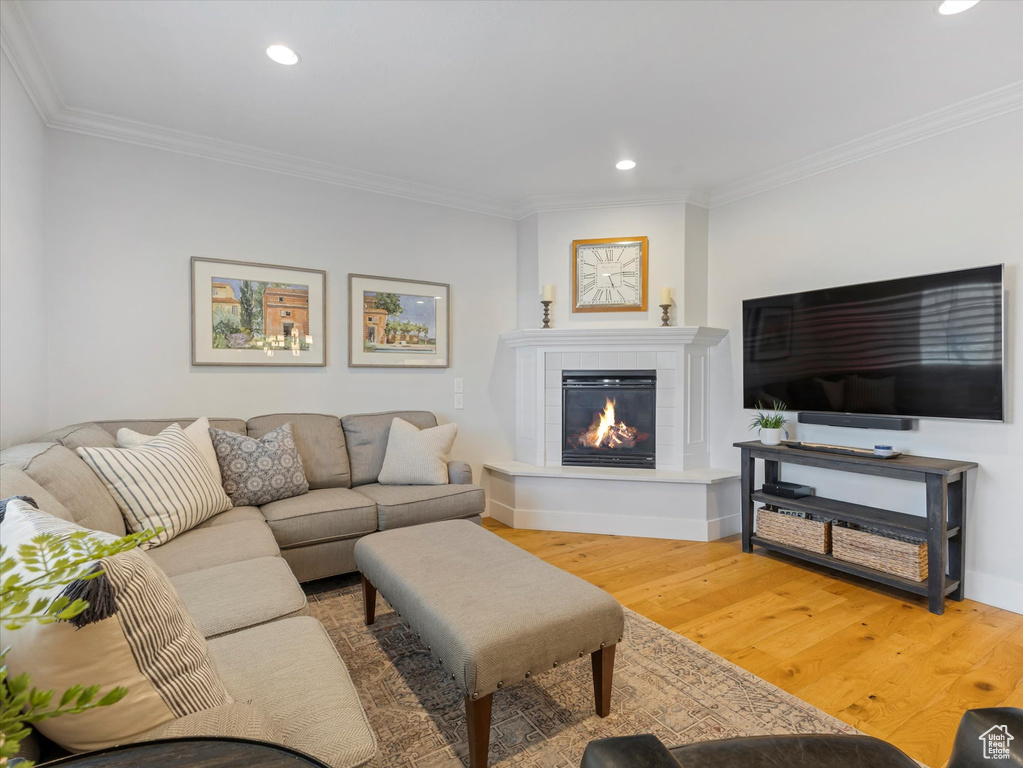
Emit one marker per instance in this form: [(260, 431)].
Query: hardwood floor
[(871, 657)]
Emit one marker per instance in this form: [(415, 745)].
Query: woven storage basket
[(799, 532), (901, 558)]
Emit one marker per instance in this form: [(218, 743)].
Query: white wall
[(124, 221), (950, 202), (664, 225), (527, 270), (23, 290)]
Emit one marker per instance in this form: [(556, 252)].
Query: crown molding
[(19, 45), (552, 203), (996, 103), (182, 142)]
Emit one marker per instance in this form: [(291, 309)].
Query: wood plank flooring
[(872, 657)]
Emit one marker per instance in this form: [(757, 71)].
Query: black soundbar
[(860, 421)]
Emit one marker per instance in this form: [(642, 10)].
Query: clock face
[(610, 275)]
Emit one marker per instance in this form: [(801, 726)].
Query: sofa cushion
[(14, 482), (259, 471), (325, 514), (202, 548), (291, 669), (401, 505), (164, 483), (79, 436), (234, 720), (366, 435), (320, 441), (234, 515), (198, 432), (70, 481), (235, 596), (139, 636)]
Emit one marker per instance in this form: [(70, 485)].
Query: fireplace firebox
[(608, 418)]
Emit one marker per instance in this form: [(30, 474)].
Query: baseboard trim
[(609, 525), (995, 590)]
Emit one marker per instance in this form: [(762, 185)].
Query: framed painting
[(398, 323), (257, 314)]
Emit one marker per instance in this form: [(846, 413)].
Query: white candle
[(665, 295), (548, 293)]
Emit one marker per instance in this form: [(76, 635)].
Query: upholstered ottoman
[(492, 613)]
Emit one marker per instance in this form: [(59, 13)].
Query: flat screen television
[(928, 346)]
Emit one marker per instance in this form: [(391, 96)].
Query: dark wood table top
[(906, 463), (206, 752)]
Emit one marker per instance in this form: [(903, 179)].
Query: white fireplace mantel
[(659, 338), (682, 498), (678, 354)]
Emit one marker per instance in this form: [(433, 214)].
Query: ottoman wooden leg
[(603, 670), (369, 600), (477, 717)]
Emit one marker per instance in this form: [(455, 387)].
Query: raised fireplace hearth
[(609, 418)]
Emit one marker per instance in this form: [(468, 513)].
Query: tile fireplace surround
[(684, 498)]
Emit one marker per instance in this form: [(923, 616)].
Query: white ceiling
[(504, 101)]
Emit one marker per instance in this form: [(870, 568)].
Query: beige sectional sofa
[(238, 573)]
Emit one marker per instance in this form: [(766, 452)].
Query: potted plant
[(770, 422)]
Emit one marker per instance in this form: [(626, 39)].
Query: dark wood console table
[(944, 523)]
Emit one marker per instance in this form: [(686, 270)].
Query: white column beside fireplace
[(683, 498)]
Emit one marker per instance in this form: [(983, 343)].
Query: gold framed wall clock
[(609, 274)]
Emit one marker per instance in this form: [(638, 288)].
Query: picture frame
[(245, 313), (398, 323), (610, 274)]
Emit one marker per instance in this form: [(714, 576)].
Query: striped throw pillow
[(135, 633), (164, 483)]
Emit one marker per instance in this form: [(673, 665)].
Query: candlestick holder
[(546, 313), (664, 314)]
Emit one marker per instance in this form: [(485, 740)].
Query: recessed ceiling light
[(282, 54), (625, 165), (952, 7)]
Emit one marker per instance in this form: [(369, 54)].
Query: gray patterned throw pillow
[(256, 472)]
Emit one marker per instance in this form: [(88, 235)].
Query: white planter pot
[(772, 436)]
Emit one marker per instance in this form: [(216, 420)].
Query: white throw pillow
[(198, 432), (135, 633), (417, 456), (164, 483)]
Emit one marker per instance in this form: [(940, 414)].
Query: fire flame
[(607, 421), (607, 432)]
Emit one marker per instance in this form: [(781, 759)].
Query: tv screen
[(928, 346)]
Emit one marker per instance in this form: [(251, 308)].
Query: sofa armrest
[(645, 751), (459, 473)]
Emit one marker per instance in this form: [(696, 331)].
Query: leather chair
[(816, 750)]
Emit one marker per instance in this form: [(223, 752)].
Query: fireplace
[(608, 418)]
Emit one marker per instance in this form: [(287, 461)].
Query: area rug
[(663, 684)]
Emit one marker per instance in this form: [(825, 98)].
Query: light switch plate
[(459, 385), (459, 402)]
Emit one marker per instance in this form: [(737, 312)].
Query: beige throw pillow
[(198, 432), (417, 456), (138, 636), (165, 483)]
